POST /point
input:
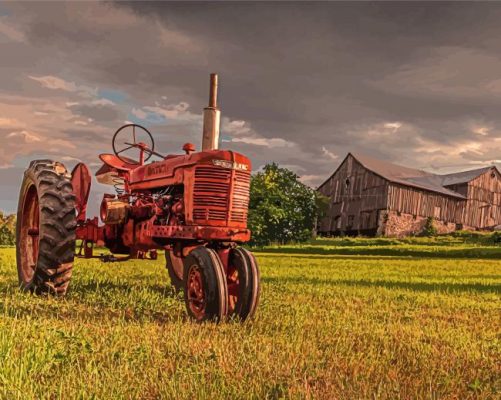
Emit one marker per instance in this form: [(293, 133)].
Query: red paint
[(81, 180)]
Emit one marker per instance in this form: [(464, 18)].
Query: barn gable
[(483, 208), (356, 196)]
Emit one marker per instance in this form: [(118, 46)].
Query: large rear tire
[(45, 231), (205, 290)]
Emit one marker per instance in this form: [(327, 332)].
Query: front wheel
[(205, 290), (243, 283), (45, 231)]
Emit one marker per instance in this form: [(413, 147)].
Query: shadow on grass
[(337, 257), (85, 310), (388, 242), (479, 252), (414, 286), (93, 286)]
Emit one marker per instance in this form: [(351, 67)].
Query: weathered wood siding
[(356, 196), (423, 203), (483, 208)]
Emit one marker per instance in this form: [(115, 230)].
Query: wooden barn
[(374, 197)]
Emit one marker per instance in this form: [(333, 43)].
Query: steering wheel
[(128, 137)]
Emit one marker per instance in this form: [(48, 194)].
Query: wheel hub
[(233, 287), (195, 292), (30, 231)]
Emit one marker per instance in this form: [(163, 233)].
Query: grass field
[(339, 318)]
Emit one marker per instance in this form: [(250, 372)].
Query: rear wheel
[(243, 283), (45, 231), (205, 290)]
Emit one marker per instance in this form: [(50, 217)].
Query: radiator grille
[(240, 203), (211, 195)]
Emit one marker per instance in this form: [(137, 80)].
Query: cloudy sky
[(301, 84)]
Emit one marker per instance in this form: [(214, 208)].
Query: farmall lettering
[(192, 206), (155, 170), (231, 165)]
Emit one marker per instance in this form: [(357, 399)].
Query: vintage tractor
[(193, 206)]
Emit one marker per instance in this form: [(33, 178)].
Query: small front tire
[(205, 290), (243, 283)]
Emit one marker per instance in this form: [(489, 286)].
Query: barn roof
[(405, 176), (463, 177), (415, 177)]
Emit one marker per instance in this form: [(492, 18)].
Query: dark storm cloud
[(309, 69), (301, 83)]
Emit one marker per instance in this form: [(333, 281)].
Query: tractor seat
[(113, 161)]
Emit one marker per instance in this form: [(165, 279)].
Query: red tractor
[(193, 206)]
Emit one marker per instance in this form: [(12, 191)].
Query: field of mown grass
[(339, 319)]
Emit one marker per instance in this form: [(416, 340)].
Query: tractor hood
[(168, 167)]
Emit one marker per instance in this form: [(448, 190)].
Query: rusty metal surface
[(212, 118), (213, 91), (114, 211), (147, 231)]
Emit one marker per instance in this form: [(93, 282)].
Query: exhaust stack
[(212, 115)]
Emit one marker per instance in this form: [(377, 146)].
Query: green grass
[(339, 318)]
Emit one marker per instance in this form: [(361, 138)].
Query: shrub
[(429, 228), (496, 237)]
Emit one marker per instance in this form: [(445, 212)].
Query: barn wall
[(422, 203), (483, 208), (356, 196), (398, 224)]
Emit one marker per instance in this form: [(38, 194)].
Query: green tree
[(7, 229), (281, 209)]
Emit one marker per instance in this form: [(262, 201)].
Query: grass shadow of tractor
[(93, 301)]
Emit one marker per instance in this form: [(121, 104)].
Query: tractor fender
[(81, 181)]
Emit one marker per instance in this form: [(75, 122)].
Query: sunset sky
[(301, 84)]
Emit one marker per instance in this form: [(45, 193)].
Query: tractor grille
[(211, 202), (240, 203)]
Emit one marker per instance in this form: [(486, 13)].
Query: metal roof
[(405, 176), (463, 177), (415, 177)]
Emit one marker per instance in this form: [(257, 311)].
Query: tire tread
[(57, 228)]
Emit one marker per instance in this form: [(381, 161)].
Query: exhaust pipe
[(212, 116)]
